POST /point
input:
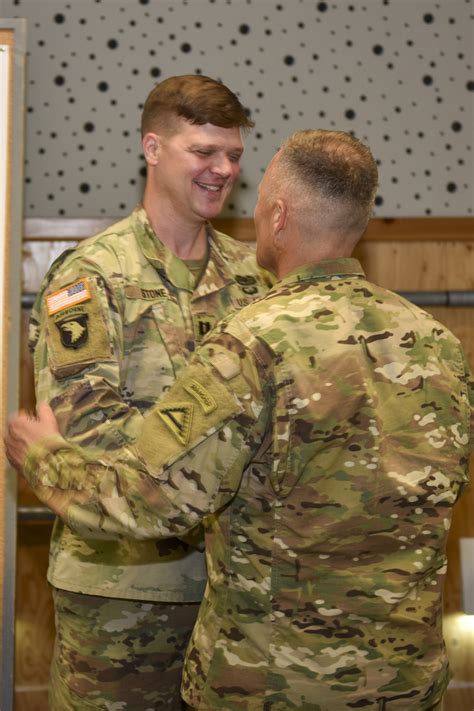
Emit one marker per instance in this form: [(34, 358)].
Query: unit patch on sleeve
[(73, 331), (188, 422), (178, 418), (77, 333)]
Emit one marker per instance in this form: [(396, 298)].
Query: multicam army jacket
[(323, 435), (114, 323)]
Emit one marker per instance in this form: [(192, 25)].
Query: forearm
[(186, 464), (100, 502), (124, 496), (91, 413)]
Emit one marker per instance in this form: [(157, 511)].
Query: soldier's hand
[(24, 430)]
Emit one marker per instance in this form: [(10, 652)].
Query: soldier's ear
[(151, 148), (280, 216)]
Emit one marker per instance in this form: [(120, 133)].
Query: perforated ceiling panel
[(397, 73)]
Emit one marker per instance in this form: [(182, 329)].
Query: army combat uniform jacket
[(115, 321), (323, 434)]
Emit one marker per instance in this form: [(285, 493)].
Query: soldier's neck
[(188, 240)]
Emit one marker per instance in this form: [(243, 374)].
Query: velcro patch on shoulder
[(77, 333), (177, 413), (71, 295)]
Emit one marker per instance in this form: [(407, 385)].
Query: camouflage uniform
[(114, 323), (323, 434)]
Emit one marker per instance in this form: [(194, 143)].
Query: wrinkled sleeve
[(187, 462)]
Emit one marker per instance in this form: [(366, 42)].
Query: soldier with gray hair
[(322, 435)]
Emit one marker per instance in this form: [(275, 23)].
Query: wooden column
[(12, 53)]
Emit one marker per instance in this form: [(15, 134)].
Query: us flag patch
[(73, 294)]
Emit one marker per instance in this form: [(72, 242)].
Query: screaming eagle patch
[(77, 333), (74, 331)]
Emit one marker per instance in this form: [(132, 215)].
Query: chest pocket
[(154, 344)]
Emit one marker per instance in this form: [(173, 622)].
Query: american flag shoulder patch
[(73, 294)]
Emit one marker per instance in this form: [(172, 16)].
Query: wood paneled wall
[(403, 255)]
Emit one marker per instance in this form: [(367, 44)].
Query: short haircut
[(196, 98), (335, 175)]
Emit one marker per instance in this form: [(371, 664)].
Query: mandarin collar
[(326, 269)]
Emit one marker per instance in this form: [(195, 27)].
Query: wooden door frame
[(12, 68)]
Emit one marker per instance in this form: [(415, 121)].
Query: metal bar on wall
[(403, 229), (453, 299), (34, 513)]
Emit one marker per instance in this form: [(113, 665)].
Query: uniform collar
[(172, 268), (339, 268)]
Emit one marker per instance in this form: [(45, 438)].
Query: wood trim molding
[(13, 56), (433, 229), (437, 229), (47, 228)]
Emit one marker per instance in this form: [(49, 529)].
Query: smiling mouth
[(209, 187)]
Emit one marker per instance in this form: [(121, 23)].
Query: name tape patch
[(73, 294)]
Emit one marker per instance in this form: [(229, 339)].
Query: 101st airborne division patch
[(77, 334)]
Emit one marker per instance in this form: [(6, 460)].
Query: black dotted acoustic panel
[(397, 73)]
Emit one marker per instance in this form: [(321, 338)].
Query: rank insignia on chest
[(203, 323), (204, 327), (74, 331)]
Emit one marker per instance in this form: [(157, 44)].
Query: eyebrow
[(214, 147)]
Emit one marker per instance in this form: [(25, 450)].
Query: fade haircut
[(333, 177), (196, 98)]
